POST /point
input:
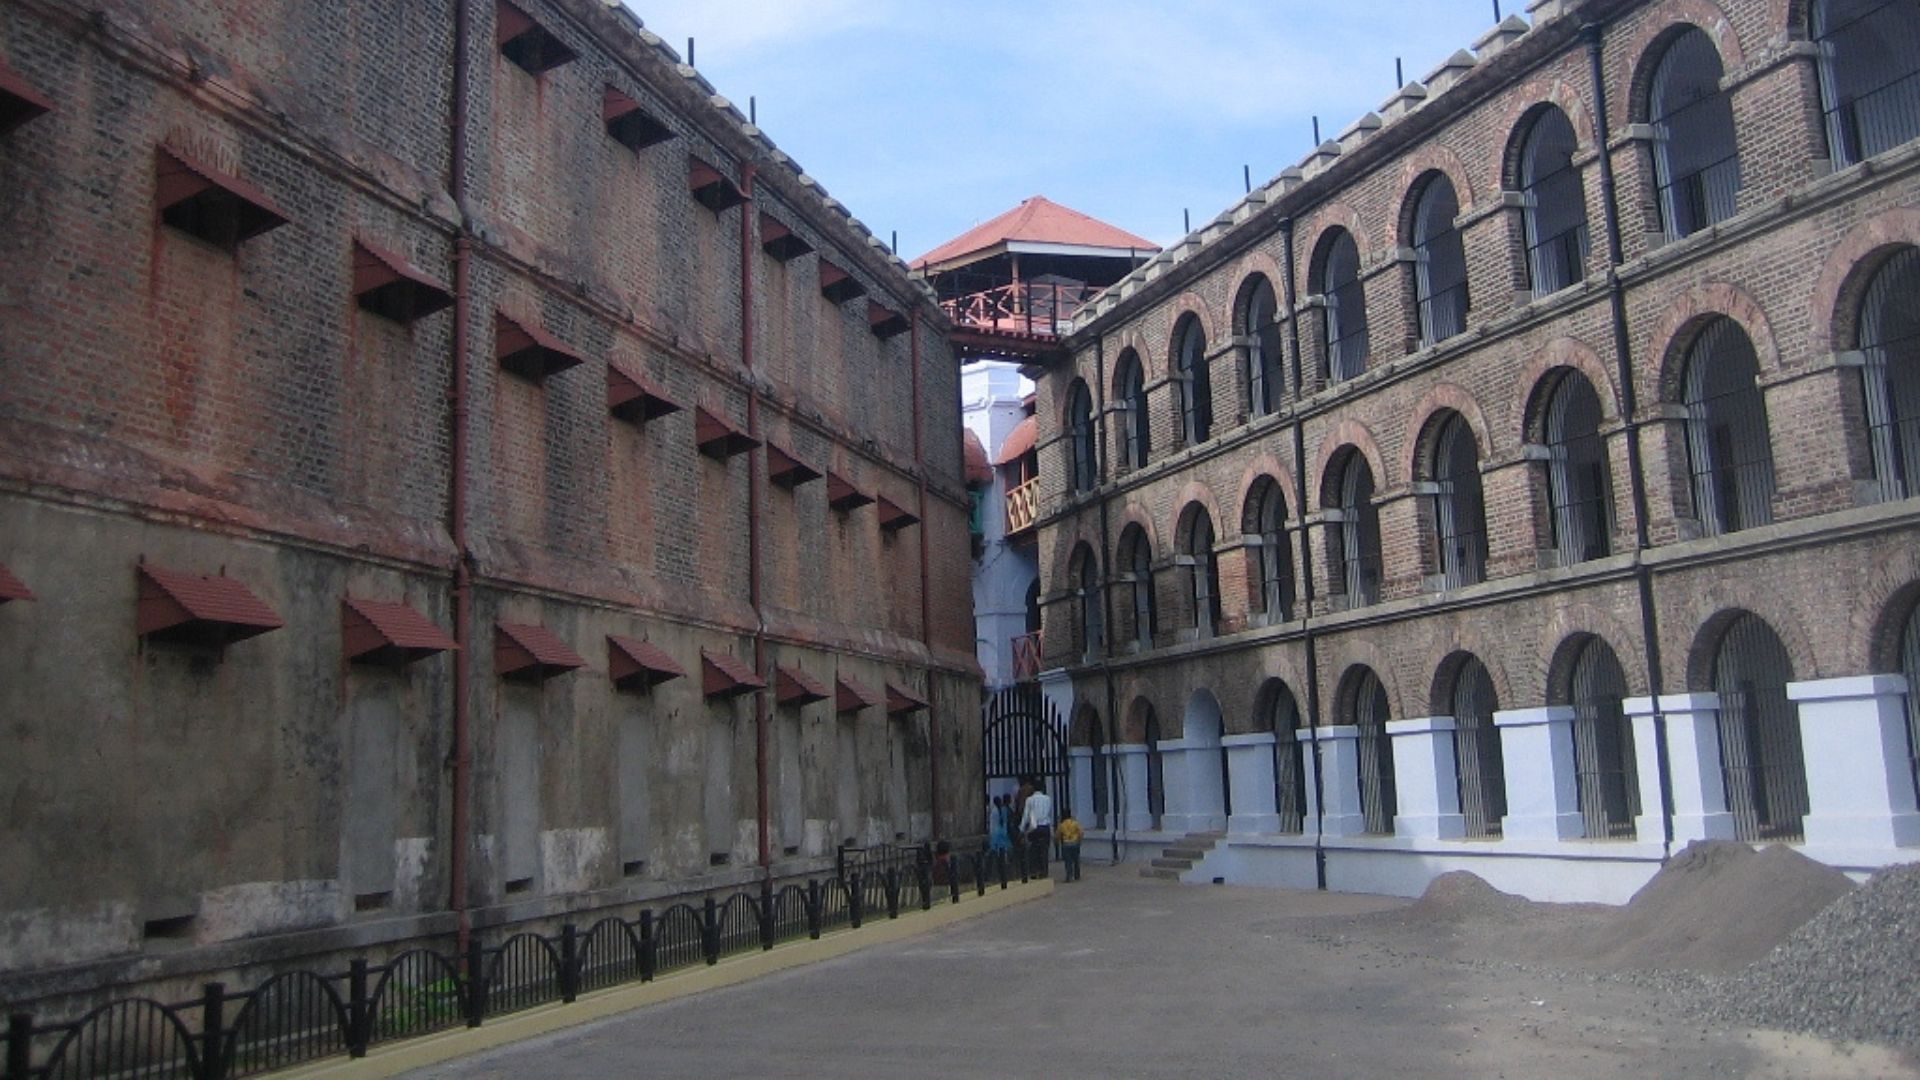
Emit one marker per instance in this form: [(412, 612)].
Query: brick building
[(1526, 481), (458, 471)]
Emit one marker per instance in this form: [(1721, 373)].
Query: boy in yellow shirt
[(1069, 835)]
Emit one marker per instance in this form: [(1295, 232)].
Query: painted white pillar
[(1543, 784), (1182, 814), (1250, 767), (1080, 783), (1131, 800), (1309, 768), (1693, 765), (1649, 825), (1426, 779), (1340, 758), (1860, 784)]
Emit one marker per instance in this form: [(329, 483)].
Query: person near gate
[(1036, 824), (1070, 835)]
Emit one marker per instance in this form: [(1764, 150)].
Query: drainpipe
[(926, 577), (1107, 604), (761, 720), (462, 824), (1594, 33), (1306, 559)]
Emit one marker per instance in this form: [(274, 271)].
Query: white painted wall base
[(1860, 786)]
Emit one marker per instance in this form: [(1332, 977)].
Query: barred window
[(1345, 334), (1869, 74), (1760, 756), (1275, 710), (1086, 475), (1136, 556), (1890, 373), (1356, 537), (1130, 388), (1910, 667), (1727, 448), (1368, 710), (1440, 262), (1476, 743), (1192, 382), (1083, 579), (1605, 772), (1203, 572), (1579, 495), (1156, 767), (1555, 204), (1459, 506), (1258, 319), (1696, 161), (1265, 530)]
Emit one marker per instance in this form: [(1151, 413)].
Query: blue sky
[(928, 118)]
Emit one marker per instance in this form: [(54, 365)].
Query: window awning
[(199, 199), (786, 470), (723, 675), (842, 495), (630, 125), (11, 587), (711, 187), (19, 101), (884, 321), (639, 665), (894, 517), (901, 700), (793, 686), (531, 652), (852, 695), (390, 286), (779, 241), (529, 351), (527, 43), (717, 437), (199, 610), (837, 285), (974, 453), (634, 399), (379, 632), (1019, 441)]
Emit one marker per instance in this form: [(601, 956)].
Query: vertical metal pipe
[(755, 471), (1106, 555), (926, 576), (1289, 283), (461, 825)]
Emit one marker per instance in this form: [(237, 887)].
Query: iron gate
[(1024, 736)]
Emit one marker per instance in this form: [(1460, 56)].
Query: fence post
[(476, 983), (926, 887), (19, 1046), (710, 932), (766, 914), (893, 892), (1001, 859), (953, 881), (569, 962), (855, 896), (213, 1033), (358, 1025), (649, 948), (813, 909), (980, 872)]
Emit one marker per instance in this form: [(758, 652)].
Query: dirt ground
[(1117, 976)]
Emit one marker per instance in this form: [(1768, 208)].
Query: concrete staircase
[(1179, 857)]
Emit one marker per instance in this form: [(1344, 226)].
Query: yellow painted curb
[(419, 1053)]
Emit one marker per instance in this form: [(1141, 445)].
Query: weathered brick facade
[(1834, 573), (229, 408)]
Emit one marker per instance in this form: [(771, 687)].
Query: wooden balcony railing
[(1025, 308), (1023, 506), (1026, 656)]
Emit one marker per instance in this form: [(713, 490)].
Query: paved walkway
[(1117, 977)]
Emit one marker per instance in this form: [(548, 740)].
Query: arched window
[(1890, 374), (1192, 383), (1696, 161), (1355, 546), (1086, 474), (1033, 607), (1136, 561), (1578, 493), (1090, 732), (1459, 505), (1910, 667), (1440, 262), (1604, 768), (1258, 318), (1130, 390), (1760, 756), (1727, 447), (1869, 74), (1083, 579), (1264, 531), (1368, 710), (1156, 766), (1203, 571), (1555, 204), (1344, 337), (1275, 710), (1476, 747)]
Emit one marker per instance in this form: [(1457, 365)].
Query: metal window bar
[(1133, 397), (1346, 311), (1143, 602), (1378, 802), (1869, 78), (1890, 373), (1476, 745), (1692, 201), (1605, 774), (1289, 763), (1459, 509), (1727, 448), (1695, 154), (1156, 772), (1081, 441), (1440, 264), (1558, 261), (1577, 489), (1555, 205), (1760, 753), (1910, 667), (1358, 538)]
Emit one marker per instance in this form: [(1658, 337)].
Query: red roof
[(901, 699), (639, 663), (1034, 221), (1019, 441), (12, 588), (531, 651), (852, 695), (979, 470), (204, 609), (794, 686), (725, 675), (378, 630)]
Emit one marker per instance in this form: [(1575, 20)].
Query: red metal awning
[(711, 187), (842, 495), (852, 695), (1019, 441), (793, 686), (197, 198), (894, 517), (717, 437), (529, 351), (837, 285), (979, 471), (723, 675), (901, 700), (628, 123), (531, 652), (525, 42), (786, 470), (11, 587), (388, 285), (639, 665), (634, 399), (779, 241), (197, 609), (376, 631), (19, 101), (884, 321)]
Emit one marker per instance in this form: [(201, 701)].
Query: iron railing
[(1023, 307), (1695, 200), (301, 1016), (1443, 314), (1880, 119), (1558, 261)]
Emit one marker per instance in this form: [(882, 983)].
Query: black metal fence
[(297, 1017)]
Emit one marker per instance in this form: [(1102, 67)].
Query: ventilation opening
[(719, 858), (633, 868), (790, 850), (372, 901), (176, 929), (519, 885)]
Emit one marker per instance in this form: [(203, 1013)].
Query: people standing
[(1070, 835), (1036, 824), (997, 843)]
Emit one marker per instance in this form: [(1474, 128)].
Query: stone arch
[(1252, 265), (1526, 102), (1649, 42), (1673, 335), (1537, 380), (1135, 729), (1133, 513), (1873, 638), (1415, 168), (1195, 493), (1086, 728), (1571, 626), (1351, 652), (1785, 624), (1882, 645), (1132, 338), (1444, 397), (1850, 265), (1332, 216), (1189, 303), (1344, 434), (1442, 659), (1446, 672), (1264, 466)]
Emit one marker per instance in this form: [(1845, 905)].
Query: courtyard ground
[(1117, 976)]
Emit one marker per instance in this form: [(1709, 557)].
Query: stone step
[(1158, 872), (1172, 864), (1184, 851)]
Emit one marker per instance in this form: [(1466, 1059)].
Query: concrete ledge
[(401, 1057)]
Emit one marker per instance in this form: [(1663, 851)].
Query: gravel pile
[(1852, 972)]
